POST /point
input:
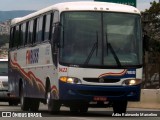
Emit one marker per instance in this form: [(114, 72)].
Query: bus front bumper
[(90, 92)]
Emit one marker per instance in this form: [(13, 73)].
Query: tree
[(153, 26)]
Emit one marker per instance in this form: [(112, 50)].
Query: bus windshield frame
[(100, 39)]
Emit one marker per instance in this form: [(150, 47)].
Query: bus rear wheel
[(34, 105), (25, 105), (13, 103)]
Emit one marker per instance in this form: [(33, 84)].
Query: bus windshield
[(4, 68), (101, 39)]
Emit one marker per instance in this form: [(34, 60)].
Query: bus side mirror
[(56, 34), (56, 42)]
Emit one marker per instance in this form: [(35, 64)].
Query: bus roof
[(79, 6)]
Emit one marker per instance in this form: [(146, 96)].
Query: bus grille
[(102, 93), (97, 80)]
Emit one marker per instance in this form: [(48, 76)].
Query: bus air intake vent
[(101, 80), (101, 93)]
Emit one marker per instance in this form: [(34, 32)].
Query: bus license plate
[(100, 98)]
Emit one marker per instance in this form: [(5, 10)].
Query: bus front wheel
[(77, 107), (34, 105), (53, 105), (120, 107)]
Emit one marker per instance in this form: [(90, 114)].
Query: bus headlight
[(71, 80), (130, 82)]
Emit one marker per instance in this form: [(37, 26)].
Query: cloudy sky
[(6, 5)]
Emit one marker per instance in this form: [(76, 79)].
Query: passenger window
[(51, 27), (34, 31), (43, 27), (56, 17), (12, 32), (47, 27), (20, 42), (16, 37), (30, 32), (55, 20), (26, 33), (23, 31), (39, 29)]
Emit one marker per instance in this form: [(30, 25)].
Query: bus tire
[(13, 103), (10, 103), (25, 105), (120, 107), (83, 109), (34, 105), (74, 109), (53, 105), (79, 107)]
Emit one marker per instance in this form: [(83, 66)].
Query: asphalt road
[(92, 114)]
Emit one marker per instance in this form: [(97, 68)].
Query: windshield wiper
[(114, 54), (95, 47), (109, 46)]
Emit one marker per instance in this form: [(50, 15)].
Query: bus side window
[(20, 42), (55, 20), (50, 29), (39, 29), (16, 37), (47, 26), (12, 32), (43, 27), (30, 32), (26, 33), (34, 31), (23, 31), (56, 17)]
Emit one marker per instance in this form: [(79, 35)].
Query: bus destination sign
[(127, 2)]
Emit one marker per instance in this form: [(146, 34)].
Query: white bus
[(77, 54)]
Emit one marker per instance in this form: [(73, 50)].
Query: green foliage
[(153, 30), (155, 45)]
